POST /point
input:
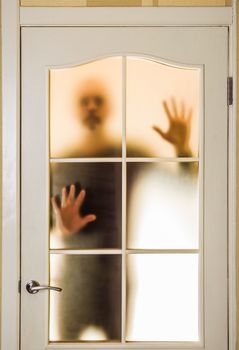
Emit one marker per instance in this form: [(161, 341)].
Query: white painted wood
[(131, 346), (63, 46), (10, 259), (124, 204), (108, 16), (86, 251), (162, 251), (129, 159), (86, 160), (127, 251), (232, 185)]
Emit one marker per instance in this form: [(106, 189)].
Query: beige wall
[(124, 3)]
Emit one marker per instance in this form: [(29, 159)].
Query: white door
[(124, 187)]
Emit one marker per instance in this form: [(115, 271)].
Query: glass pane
[(162, 297), (86, 109), (162, 205), (90, 222), (88, 308), (162, 109)]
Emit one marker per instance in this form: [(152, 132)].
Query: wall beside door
[(126, 3)]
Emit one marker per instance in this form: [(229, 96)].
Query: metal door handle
[(33, 287)]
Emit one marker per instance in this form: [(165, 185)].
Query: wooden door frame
[(13, 18)]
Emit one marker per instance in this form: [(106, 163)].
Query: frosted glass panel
[(88, 308), (162, 297), (102, 185), (162, 109), (158, 106), (162, 205), (86, 109)]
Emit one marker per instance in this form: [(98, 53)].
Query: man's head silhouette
[(93, 105)]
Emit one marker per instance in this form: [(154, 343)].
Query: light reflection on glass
[(102, 185), (162, 296), (163, 208), (88, 308), (150, 85), (86, 110)]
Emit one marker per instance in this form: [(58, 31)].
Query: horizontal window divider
[(85, 160), (86, 251), (128, 159), (162, 251), (136, 345), (120, 251), (162, 159)]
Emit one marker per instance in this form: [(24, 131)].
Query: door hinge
[(19, 286), (229, 91)]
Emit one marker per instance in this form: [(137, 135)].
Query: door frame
[(13, 18)]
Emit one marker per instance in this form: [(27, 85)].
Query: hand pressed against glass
[(178, 133), (68, 217)]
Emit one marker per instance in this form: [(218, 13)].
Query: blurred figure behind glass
[(93, 106)]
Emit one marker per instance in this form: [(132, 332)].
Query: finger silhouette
[(55, 205), (87, 219), (183, 110), (175, 110), (71, 195), (159, 131), (63, 197), (167, 111), (190, 113), (80, 198)]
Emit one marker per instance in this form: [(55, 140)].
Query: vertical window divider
[(123, 291)]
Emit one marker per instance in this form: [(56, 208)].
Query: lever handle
[(33, 287)]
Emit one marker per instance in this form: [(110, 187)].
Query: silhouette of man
[(79, 309)]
